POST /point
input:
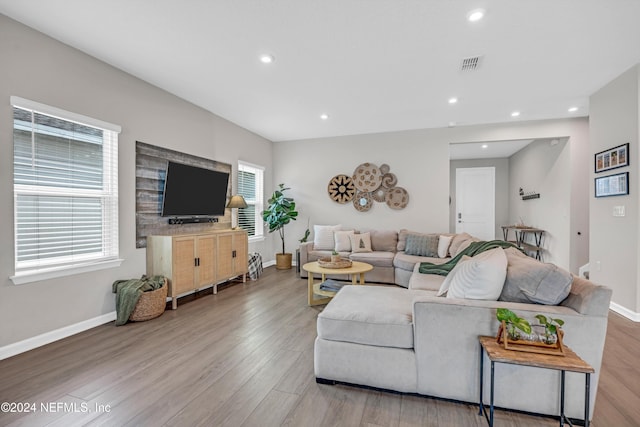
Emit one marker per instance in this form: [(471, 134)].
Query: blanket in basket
[(128, 293)]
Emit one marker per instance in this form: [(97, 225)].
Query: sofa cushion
[(377, 259), (481, 277), (443, 245), (402, 238), (323, 237), (531, 281), (422, 245), (384, 240), (425, 282), (342, 240), (360, 242), (316, 255), (407, 262), (457, 240), (370, 315)]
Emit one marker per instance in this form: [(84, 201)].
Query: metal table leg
[(587, 392), (493, 364), (561, 398), (481, 379)]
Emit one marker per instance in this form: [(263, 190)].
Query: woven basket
[(150, 305), (283, 261)]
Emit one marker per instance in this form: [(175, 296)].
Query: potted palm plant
[(280, 212)]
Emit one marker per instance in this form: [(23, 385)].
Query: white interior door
[(476, 202)]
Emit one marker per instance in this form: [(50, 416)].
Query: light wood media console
[(196, 261)]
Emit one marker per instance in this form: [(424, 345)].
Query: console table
[(521, 232), (569, 362)]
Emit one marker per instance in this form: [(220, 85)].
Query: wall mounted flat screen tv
[(193, 191)]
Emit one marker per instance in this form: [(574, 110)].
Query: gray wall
[(545, 169), (39, 68), (419, 158), (501, 190), (614, 241)]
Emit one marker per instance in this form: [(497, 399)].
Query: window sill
[(29, 277), (256, 239)]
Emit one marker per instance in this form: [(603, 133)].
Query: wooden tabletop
[(356, 267), (569, 362)]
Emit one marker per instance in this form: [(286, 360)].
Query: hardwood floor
[(244, 357)]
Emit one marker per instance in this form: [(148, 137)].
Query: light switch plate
[(618, 210)]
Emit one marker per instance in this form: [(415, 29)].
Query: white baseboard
[(269, 263), (631, 315), (49, 337)]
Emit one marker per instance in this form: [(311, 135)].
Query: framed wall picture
[(612, 185), (612, 158)]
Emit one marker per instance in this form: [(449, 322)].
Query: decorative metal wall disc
[(367, 177), (389, 180), (362, 201), (380, 195), (341, 188), (397, 198)]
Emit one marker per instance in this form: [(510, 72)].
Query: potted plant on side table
[(281, 211)]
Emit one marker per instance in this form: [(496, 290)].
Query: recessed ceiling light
[(485, 146), (267, 59), (453, 100), (573, 109), (475, 15), (515, 114), (324, 116)]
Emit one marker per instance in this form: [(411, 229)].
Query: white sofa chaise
[(410, 340)]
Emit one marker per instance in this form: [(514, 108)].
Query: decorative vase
[(335, 258)]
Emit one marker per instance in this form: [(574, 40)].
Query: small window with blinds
[(65, 186), (250, 186)]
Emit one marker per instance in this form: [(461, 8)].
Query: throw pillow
[(444, 287), (383, 240), (323, 237), (531, 281), (360, 242), (443, 246), (457, 241), (422, 245), (343, 240), (480, 278)]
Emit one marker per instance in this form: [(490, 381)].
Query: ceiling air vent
[(471, 64)]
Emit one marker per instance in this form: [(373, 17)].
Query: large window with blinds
[(251, 187), (65, 186)]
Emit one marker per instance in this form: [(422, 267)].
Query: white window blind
[(65, 170), (251, 187)]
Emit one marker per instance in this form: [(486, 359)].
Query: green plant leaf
[(560, 322), (542, 319), (505, 314), (523, 325)]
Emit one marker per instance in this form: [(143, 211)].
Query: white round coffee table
[(356, 270)]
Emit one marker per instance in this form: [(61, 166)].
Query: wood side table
[(569, 362), (356, 270)]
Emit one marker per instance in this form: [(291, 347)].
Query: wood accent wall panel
[(151, 167)]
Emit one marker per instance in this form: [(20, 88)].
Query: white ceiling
[(372, 65), (486, 150)]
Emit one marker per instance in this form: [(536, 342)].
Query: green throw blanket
[(128, 293), (473, 249)]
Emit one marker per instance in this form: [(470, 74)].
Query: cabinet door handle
[(233, 254)]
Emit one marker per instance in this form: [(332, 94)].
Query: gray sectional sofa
[(391, 263), (413, 341)]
